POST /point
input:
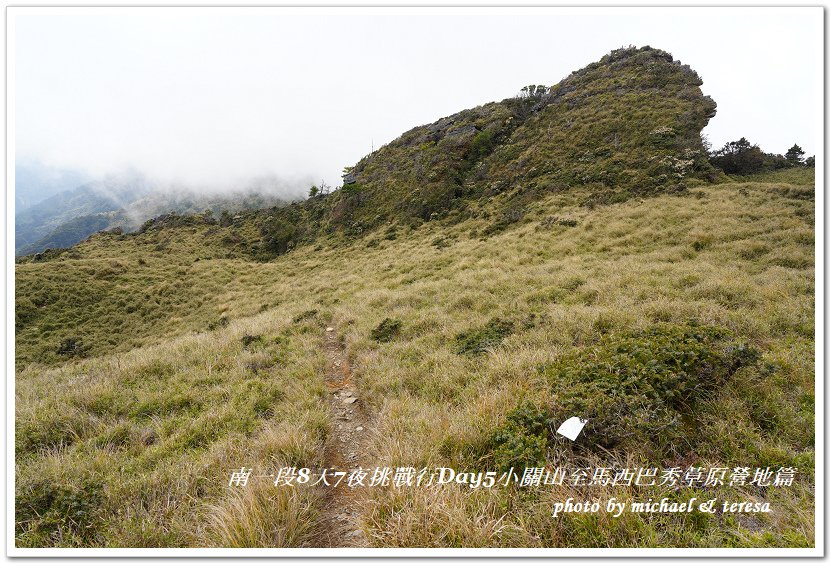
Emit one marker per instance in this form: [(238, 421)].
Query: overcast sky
[(213, 96)]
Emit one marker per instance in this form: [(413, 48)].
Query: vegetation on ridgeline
[(569, 252), (743, 158)]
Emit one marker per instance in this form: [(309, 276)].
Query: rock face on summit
[(627, 124)]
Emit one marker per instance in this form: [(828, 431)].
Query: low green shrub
[(509, 217), (634, 388), (222, 322), (386, 330), (522, 440), (72, 347), (637, 391), (63, 510), (440, 242), (248, 339), (478, 341), (305, 315)]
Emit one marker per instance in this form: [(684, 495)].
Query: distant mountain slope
[(71, 232), (68, 218), (35, 181), (41, 220)]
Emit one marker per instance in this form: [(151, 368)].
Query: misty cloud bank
[(54, 213), (218, 100), (37, 182)]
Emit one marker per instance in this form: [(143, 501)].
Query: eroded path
[(339, 522)]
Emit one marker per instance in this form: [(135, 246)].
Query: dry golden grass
[(738, 255), (262, 515)]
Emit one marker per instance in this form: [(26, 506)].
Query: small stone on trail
[(359, 429), (329, 329), (348, 394), (349, 401)]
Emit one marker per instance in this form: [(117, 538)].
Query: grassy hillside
[(136, 394)]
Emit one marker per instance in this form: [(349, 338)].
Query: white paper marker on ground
[(571, 428)]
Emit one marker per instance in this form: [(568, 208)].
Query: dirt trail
[(344, 450)]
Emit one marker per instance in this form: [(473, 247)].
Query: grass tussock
[(262, 515)]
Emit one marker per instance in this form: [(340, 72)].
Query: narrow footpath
[(344, 450)]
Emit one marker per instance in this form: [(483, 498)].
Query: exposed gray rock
[(441, 124), (349, 178), (463, 131)]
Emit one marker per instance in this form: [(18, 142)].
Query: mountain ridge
[(628, 125), (568, 137)]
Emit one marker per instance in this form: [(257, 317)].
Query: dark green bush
[(482, 144), (509, 217), (553, 220), (637, 391), (522, 440), (219, 323), (59, 510), (440, 242), (72, 347), (634, 388), (305, 315), (478, 341), (386, 330), (278, 235), (513, 446), (249, 339), (351, 189)]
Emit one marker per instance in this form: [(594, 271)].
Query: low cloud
[(216, 99)]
